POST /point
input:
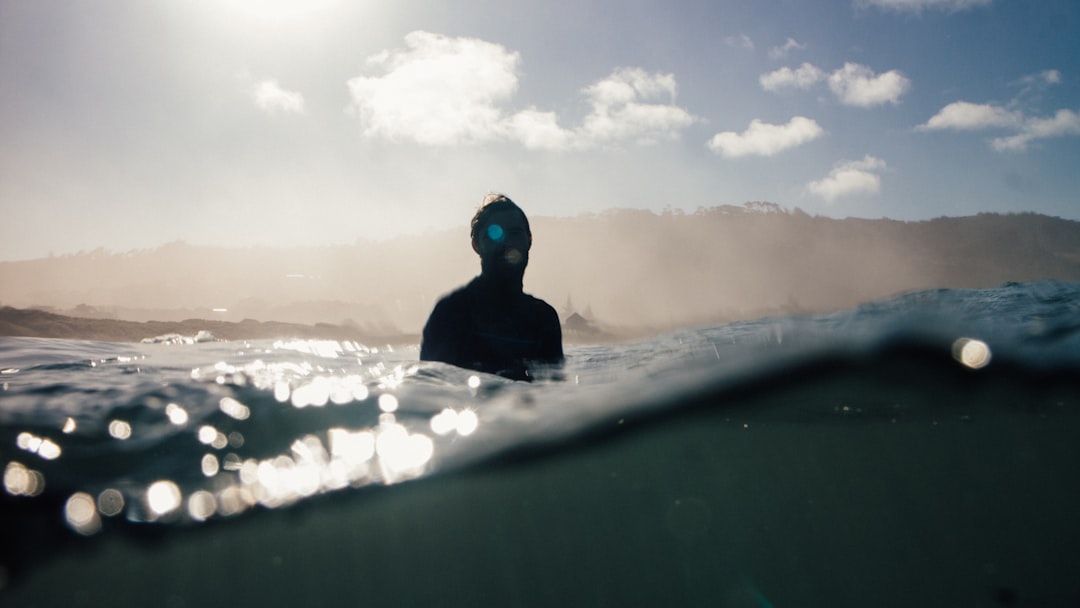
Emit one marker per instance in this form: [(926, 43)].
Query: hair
[(493, 203)]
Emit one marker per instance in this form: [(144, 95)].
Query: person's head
[(493, 203), (501, 236)]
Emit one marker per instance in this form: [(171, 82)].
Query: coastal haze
[(627, 272)]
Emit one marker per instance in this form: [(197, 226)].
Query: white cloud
[(849, 178), (1038, 82), (918, 6), (966, 116), (779, 52), (1065, 122), (538, 130), (269, 96), (853, 84), (806, 76), (631, 105), (437, 91), (764, 139), (857, 85), (620, 112), (742, 41), (1050, 76), (447, 91), (963, 115)]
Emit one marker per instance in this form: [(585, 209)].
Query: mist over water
[(626, 270)]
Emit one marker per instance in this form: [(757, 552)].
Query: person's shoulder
[(458, 295), (542, 306)]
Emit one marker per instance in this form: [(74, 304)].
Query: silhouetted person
[(491, 325)]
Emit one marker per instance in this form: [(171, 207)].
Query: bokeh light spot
[(42, 446), (234, 408), (450, 420), (110, 502), (402, 454), (177, 415), (388, 403), (210, 465), (22, 481), (119, 429), (467, 421), (354, 448), (236, 440), (972, 353), (212, 437), (81, 514), (163, 497), (201, 505), (282, 391), (444, 422)]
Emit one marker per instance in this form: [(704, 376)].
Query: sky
[(128, 124)]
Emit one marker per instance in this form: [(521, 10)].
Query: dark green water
[(743, 501)]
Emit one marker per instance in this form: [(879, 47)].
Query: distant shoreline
[(35, 323), (31, 323)]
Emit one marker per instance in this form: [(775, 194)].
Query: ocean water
[(918, 451)]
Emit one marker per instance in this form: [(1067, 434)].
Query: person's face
[(503, 242)]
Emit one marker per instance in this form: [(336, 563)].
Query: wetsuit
[(486, 327)]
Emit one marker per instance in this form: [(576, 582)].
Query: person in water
[(491, 325)]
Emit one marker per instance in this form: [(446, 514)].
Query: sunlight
[(120, 429), (80, 511), (402, 455), (22, 481), (177, 415), (449, 420), (202, 505), (278, 11), (42, 446), (163, 497), (972, 353)]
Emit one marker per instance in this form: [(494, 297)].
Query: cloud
[(918, 6), (779, 52), (966, 116), (539, 130), (854, 84), (1065, 122), (764, 139), (857, 85), (849, 178), (1033, 85), (445, 91), (742, 41), (1050, 76), (269, 96), (436, 91), (806, 76), (619, 111)]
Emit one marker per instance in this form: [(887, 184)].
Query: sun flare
[(274, 11)]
